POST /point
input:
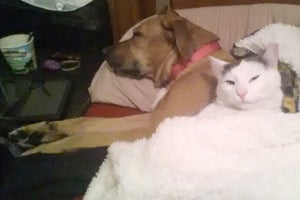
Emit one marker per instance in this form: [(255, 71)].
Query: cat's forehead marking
[(229, 67), (257, 59)]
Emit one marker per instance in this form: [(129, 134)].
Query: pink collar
[(199, 54)]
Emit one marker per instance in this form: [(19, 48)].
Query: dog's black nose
[(106, 50), (109, 55)]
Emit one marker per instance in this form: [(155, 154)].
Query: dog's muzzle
[(114, 61), (122, 62)]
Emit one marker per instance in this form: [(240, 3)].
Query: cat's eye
[(254, 78), (229, 82)]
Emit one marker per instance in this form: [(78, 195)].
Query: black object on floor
[(33, 97), (49, 176)]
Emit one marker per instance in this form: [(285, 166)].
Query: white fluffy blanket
[(286, 36), (221, 154)]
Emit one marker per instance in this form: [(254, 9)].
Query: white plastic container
[(19, 52)]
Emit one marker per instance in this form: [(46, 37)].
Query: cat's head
[(249, 83)]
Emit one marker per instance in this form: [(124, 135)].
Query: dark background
[(83, 32)]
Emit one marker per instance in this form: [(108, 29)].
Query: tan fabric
[(230, 23)]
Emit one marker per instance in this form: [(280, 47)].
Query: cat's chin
[(255, 106), (240, 105), (245, 106)]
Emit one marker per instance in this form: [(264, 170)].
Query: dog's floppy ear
[(177, 32), (184, 40), (187, 36)]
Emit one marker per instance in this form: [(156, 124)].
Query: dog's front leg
[(33, 135), (90, 140)]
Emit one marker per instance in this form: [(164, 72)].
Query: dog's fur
[(155, 46)]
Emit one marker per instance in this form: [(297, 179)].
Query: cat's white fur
[(250, 84), (286, 36)]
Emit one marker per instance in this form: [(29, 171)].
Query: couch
[(118, 96)]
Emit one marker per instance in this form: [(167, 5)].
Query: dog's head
[(155, 46)]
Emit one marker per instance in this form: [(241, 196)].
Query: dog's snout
[(121, 60), (112, 58)]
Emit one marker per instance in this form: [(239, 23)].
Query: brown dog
[(156, 46)]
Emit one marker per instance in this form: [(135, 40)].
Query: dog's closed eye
[(137, 34)]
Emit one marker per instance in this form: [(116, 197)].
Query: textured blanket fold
[(224, 155)]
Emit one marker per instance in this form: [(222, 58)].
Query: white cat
[(251, 83)]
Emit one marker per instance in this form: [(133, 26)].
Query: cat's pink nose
[(242, 94)]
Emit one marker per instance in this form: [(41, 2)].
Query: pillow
[(107, 87), (230, 23)]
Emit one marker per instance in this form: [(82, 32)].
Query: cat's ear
[(270, 56), (217, 65)]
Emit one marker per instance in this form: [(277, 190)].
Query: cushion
[(229, 22), (110, 111)]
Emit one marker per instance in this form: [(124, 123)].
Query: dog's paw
[(33, 135)]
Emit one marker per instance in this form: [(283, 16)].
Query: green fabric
[(290, 88)]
